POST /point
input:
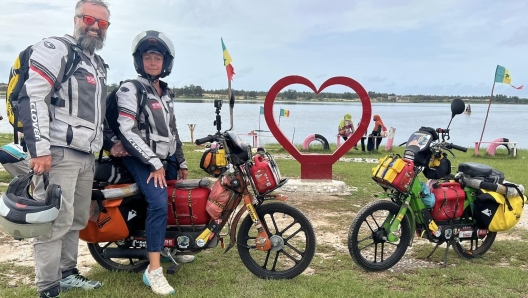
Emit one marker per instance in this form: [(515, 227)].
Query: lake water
[(504, 121)]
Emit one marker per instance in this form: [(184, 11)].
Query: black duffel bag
[(111, 170)]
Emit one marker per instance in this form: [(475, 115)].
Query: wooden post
[(191, 128)]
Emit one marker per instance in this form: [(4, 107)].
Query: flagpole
[(489, 105), (229, 88), (229, 93)]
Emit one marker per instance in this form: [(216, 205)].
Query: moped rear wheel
[(475, 247), (292, 237), (117, 264), (367, 239)]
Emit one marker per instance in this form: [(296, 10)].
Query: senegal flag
[(502, 75), (227, 62), (285, 113)]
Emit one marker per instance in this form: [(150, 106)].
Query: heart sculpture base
[(317, 166), (316, 171)]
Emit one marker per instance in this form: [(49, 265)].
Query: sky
[(436, 47)]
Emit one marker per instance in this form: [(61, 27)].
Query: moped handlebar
[(456, 147), (442, 130), (207, 139)]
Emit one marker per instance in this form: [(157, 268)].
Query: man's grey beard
[(90, 43)]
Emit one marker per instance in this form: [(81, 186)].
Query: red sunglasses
[(89, 20)]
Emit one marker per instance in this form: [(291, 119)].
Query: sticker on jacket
[(91, 80)]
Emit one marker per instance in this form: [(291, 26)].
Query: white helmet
[(21, 216), (153, 41)]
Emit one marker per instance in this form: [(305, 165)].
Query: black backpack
[(112, 110), (19, 74)]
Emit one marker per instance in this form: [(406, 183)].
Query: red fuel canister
[(262, 174), (450, 199), (405, 176)]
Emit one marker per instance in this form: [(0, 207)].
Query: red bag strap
[(189, 201), (174, 207)]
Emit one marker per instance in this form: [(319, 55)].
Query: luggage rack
[(276, 173)]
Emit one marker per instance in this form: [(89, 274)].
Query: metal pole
[(483, 128), (229, 93)]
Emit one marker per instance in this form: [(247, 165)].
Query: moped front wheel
[(367, 238), (292, 237)]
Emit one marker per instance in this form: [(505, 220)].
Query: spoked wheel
[(472, 248), (134, 264), (292, 237), (367, 239)]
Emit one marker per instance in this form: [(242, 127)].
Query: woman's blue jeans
[(156, 197)]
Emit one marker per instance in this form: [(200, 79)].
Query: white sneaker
[(185, 258), (157, 281)]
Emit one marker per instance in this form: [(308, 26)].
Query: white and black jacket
[(74, 118), (155, 137)]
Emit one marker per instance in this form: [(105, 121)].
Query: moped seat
[(473, 169)]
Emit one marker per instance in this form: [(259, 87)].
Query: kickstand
[(437, 245), (174, 267), (445, 254)]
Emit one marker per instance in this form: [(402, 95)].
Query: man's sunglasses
[(89, 20)]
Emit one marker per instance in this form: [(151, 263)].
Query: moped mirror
[(457, 107)]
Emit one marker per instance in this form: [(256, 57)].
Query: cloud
[(375, 79), (216, 75), (244, 71), (39, 6), (321, 76), (405, 46), (519, 38), (7, 48), (6, 66)]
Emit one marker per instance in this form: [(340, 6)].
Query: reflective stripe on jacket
[(76, 119), (156, 137)]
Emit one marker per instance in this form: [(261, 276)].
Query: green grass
[(502, 272)]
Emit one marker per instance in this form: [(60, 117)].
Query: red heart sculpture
[(317, 166)]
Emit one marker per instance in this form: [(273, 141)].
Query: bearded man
[(63, 128)]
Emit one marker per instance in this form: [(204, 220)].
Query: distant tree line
[(196, 91), (290, 94)]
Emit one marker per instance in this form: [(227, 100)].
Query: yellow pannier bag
[(496, 212)]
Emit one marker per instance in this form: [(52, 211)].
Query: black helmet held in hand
[(153, 41)]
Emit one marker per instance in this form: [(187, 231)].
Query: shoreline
[(261, 101), (333, 101)]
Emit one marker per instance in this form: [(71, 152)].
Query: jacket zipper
[(98, 101), (69, 132)]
